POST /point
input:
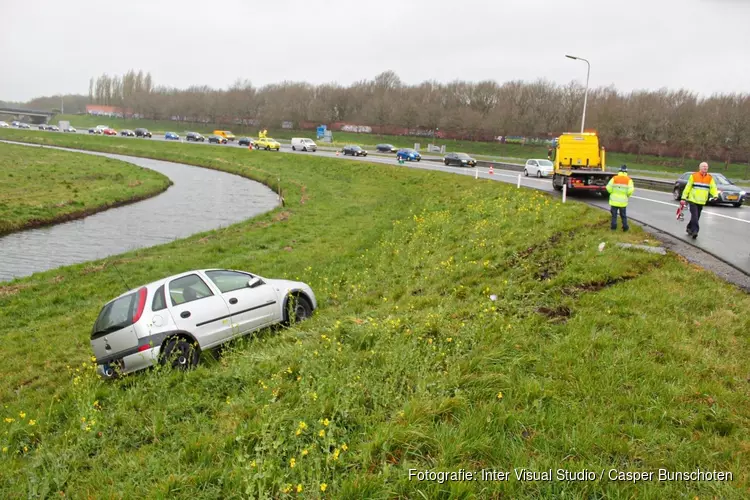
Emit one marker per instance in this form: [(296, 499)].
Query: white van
[(303, 144)]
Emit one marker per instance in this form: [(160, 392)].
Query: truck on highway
[(580, 163)]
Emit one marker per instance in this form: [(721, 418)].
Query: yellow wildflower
[(32, 422), (326, 422), (304, 453), (292, 462), (253, 464), (323, 487), (10, 420), (299, 488), (344, 447), (298, 432), (499, 395), (22, 415), (322, 433)]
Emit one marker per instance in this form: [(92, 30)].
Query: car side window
[(159, 303), (187, 289), (228, 281)]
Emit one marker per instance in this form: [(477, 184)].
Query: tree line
[(678, 123)]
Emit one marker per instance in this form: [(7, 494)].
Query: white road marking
[(675, 205)]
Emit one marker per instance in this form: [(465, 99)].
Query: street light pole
[(586, 93)]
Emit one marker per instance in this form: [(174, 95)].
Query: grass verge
[(584, 359), (41, 186), (481, 150)]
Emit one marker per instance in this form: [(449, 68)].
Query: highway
[(724, 230)]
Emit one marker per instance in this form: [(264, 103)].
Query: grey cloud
[(55, 47)]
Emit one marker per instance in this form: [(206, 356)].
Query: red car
[(109, 131)]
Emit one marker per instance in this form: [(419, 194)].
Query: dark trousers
[(623, 215), (695, 214)]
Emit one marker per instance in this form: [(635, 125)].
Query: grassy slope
[(42, 186), (483, 150), (617, 359)]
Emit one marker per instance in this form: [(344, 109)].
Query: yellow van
[(225, 133)]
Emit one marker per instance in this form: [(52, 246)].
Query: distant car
[(171, 136), (142, 132), (245, 141), (228, 135), (217, 139), (15, 123), (24, 125), (70, 129), (53, 128), (194, 136), (95, 130), (268, 144), (4, 125), (170, 321), (460, 159), (42, 127), (386, 148), (408, 154), (538, 168), (127, 133), (303, 144), (729, 193), (354, 151), (109, 131)]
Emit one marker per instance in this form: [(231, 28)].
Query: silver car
[(172, 320)]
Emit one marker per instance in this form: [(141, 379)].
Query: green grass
[(615, 359), (43, 186), (482, 150)]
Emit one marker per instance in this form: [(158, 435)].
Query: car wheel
[(446, 162), (299, 307), (676, 194), (737, 205), (294, 149), (525, 172), (180, 353), (539, 174)]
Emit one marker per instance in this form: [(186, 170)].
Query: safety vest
[(699, 187), (620, 187)]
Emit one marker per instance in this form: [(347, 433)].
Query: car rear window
[(116, 315)]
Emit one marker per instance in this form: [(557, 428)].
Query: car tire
[(539, 174), (446, 162), (294, 149), (525, 172), (737, 205), (676, 194), (298, 306), (180, 354)]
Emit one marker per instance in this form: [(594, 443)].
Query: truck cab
[(579, 162)]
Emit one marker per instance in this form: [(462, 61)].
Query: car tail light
[(144, 347), (142, 293)]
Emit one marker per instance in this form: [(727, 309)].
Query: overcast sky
[(49, 47)]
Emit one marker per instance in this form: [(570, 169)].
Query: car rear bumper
[(129, 364)]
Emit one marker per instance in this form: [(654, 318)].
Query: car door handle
[(233, 300), (185, 314)]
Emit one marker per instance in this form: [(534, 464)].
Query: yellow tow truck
[(580, 163)]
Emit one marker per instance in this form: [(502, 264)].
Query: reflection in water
[(200, 200)]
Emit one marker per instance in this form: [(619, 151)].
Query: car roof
[(162, 281)]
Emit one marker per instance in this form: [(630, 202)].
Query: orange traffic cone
[(491, 170)]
